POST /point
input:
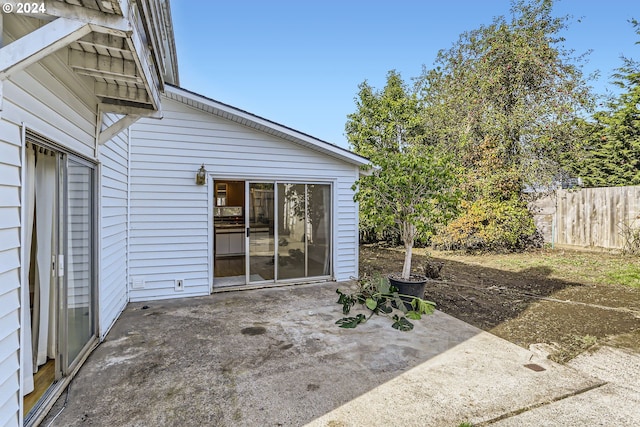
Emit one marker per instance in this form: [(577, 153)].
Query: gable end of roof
[(261, 124)]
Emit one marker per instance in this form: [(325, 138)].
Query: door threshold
[(41, 409), (264, 285)]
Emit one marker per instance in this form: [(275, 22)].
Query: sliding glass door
[(287, 232), (79, 293), (60, 262), (292, 241), (318, 226), (260, 226), (304, 230)]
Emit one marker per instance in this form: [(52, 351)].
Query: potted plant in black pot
[(421, 182), (412, 186), (379, 297)]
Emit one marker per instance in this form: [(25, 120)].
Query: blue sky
[(299, 62)]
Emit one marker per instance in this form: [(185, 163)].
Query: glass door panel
[(78, 303), (229, 234), (318, 230), (261, 232), (292, 250)]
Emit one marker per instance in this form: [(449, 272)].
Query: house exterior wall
[(171, 216), (22, 97), (48, 98), (113, 229), (9, 272), (36, 99)]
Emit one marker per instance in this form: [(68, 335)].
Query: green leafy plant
[(379, 297), (412, 188), (512, 129), (528, 91), (489, 225), (610, 153)]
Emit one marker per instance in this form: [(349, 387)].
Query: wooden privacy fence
[(588, 217)]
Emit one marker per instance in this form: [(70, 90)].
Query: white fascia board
[(36, 45), (140, 57), (368, 171), (251, 120)]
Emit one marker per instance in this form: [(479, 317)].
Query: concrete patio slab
[(617, 403), (274, 357)]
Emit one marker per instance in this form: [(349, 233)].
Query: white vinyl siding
[(51, 100), (37, 108), (9, 272), (113, 232), (170, 213)]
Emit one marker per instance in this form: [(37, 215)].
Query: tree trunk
[(406, 268), (408, 236)]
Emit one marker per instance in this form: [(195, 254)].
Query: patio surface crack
[(528, 408)]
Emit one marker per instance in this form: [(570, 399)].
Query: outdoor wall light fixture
[(201, 176)]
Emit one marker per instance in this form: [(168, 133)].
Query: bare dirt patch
[(563, 298)]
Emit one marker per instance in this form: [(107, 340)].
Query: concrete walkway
[(274, 357)]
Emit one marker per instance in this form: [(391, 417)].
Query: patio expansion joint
[(527, 408)]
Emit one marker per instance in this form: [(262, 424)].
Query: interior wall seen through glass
[(261, 232)]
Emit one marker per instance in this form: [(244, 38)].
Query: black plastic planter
[(414, 287)]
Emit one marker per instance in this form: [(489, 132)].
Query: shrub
[(630, 233), (490, 225)]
